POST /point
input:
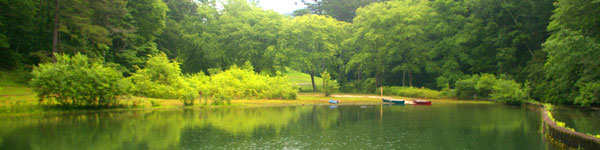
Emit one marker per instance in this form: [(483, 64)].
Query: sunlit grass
[(23, 100), (302, 80)]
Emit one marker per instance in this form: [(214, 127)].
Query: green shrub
[(448, 92), (188, 96), (329, 85), (154, 103), (411, 92), (359, 86), (160, 78), (79, 82), (465, 89), (237, 83), (488, 86), (485, 85), (589, 93), (508, 91), (476, 87)]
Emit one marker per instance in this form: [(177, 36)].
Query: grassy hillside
[(303, 80)]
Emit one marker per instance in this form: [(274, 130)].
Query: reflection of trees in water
[(278, 128), (144, 129), (117, 130), (244, 121), (585, 121)]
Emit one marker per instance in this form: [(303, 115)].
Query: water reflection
[(444, 126), (581, 120)]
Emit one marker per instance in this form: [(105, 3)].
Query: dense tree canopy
[(314, 41), (552, 46)]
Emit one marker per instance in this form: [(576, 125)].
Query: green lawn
[(302, 80)]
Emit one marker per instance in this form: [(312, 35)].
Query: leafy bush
[(465, 89), (488, 86), (508, 91), (359, 86), (411, 92), (485, 85), (160, 78), (79, 82), (589, 93), (448, 92), (236, 83), (476, 86), (329, 85)]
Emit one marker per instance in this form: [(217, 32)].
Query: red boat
[(422, 102)]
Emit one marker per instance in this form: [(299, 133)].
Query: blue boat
[(393, 101), (334, 101)]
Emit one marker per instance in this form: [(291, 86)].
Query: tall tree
[(314, 41), (392, 33), (573, 49), (342, 10), (55, 30), (144, 21)]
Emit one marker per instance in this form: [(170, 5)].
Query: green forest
[(505, 50)]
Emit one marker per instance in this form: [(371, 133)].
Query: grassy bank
[(18, 98), (302, 80), (23, 100)]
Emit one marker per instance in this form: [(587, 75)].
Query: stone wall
[(566, 136)]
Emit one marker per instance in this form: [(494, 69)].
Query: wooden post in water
[(381, 107)]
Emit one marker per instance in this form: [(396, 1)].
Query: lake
[(439, 126), (582, 120)]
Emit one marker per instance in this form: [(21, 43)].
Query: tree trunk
[(403, 77), (377, 82), (410, 78), (312, 79), (55, 32)]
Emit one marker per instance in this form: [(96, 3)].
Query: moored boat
[(334, 101), (395, 101), (422, 102)]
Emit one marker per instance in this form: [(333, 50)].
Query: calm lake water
[(439, 126), (585, 121)]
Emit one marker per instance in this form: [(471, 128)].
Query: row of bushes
[(487, 86), (411, 92), (79, 81)]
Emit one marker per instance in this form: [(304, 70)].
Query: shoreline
[(171, 104)]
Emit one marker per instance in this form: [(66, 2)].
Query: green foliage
[(508, 91), (448, 92), (329, 85), (78, 82), (569, 68), (411, 92), (465, 88), (589, 93), (342, 10), (391, 32), (359, 86), (160, 78), (485, 84), (15, 78), (321, 37), (404, 42), (488, 86), (238, 83)]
